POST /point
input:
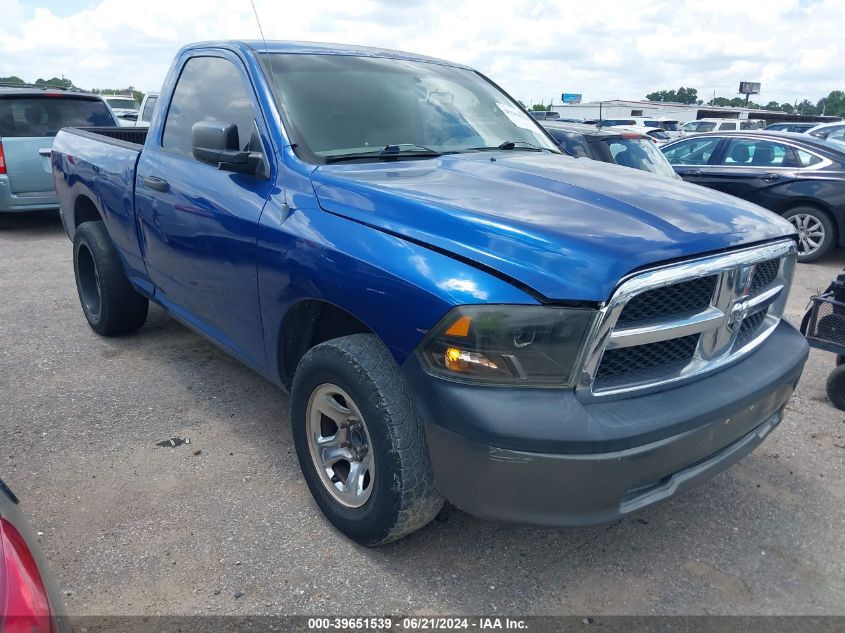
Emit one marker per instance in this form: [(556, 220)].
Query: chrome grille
[(625, 360), (750, 325), (764, 274), (676, 299), (679, 321)]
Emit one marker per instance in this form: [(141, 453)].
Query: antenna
[(267, 53), (260, 30)]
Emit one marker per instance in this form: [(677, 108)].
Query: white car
[(125, 108), (145, 114), (672, 127), (656, 134), (710, 125), (829, 131)]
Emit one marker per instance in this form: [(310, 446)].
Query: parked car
[(710, 125), (790, 126), (148, 105), (752, 124), (611, 145), (656, 134), (829, 131), (654, 128), (459, 309), (545, 116), (29, 119), (29, 600), (124, 107), (795, 175)]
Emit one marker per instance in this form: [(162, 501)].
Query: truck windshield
[(700, 126), (338, 105), (45, 115), (122, 103)]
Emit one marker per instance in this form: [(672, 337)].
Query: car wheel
[(108, 300), (360, 443), (815, 232), (836, 387)]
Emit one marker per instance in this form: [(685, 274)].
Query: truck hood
[(569, 228)]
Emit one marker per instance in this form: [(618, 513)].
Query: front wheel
[(360, 443), (815, 232)]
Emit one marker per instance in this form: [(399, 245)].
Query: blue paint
[(395, 244)]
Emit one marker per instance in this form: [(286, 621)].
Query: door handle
[(156, 184), (45, 151), (694, 173), (770, 177)]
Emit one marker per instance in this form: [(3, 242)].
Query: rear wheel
[(109, 302), (360, 443), (815, 232)]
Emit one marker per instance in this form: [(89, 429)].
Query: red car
[(29, 601)]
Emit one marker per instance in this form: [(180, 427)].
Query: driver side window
[(208, 89)]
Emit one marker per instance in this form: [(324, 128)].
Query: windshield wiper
[(508, 145), (388, 152)]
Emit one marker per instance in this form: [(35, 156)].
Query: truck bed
[(129, 137), (94, 176)]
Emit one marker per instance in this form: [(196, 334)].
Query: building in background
[(621, 108)]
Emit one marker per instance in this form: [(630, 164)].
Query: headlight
[(508, 344)]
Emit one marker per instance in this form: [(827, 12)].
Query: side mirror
[(217, 143)]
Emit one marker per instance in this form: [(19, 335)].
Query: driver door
[(199, 224)]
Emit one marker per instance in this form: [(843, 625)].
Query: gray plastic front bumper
[(544, 457)]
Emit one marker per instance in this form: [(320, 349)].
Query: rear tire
[(349, 398), (109, 302), (836, 387), (816, 232)]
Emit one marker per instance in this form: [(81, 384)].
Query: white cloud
[(534, 49)]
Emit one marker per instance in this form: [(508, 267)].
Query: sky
[(535, 50)]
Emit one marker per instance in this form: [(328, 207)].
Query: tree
[(539, 107), (59, 82), (136, 94), (11, 80), (806, 107), (681, 95), (833, 104)]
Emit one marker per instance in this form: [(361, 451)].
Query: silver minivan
[(29, 119)]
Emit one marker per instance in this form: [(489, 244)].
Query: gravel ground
[(225, 524)]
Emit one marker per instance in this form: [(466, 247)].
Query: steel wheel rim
[(811, 233), (340, 446)]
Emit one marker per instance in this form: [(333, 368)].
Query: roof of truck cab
[(318, 48)]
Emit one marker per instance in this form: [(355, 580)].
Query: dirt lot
[(226, 524)]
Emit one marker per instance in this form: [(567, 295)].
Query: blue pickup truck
[(459, 310)]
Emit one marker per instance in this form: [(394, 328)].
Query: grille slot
[(629, 361), (749, 327), (764, 274), (687, 296)]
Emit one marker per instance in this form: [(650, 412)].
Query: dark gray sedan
[(797, 176)]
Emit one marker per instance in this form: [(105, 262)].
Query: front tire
[(360, 443), (816, 232), (109, 302)]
